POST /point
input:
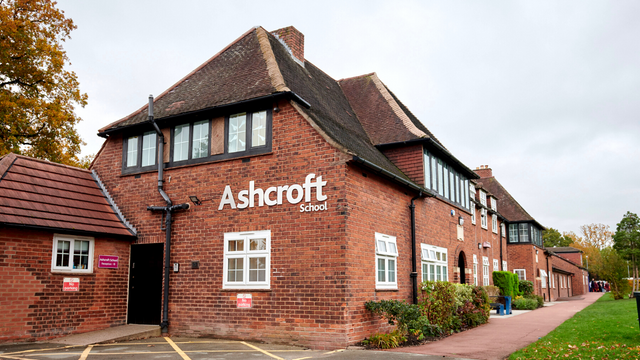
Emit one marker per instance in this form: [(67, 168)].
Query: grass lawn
[(606, 329)]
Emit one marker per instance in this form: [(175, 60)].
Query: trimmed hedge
[(507, 282)]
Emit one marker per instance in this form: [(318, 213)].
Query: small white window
[(553, 280), (475, 270), (543, 277), (386, 262), (485, 271), (504, 266), (434, 263), (473, 213), (493, 204), (237, 132), (259, 129), (494, 223), (200, 144), (522, 274), (483, 218), (496, 265), (149, 149), (503, 230), (483, 198), (247, 260), (132, 151), (181, 143), (72, 253)]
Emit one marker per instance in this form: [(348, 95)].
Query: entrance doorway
[(462, 266), (145, 284)]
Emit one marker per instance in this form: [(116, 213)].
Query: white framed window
[(72, 254), (181, 143), (247, 260), (553, 279), (522, 274), (475, 270), (386, 262), (483, 218), (483, 198), (543, 277), (504, 266), (434, 263), (485, 271), (494, 223), (494, 203), (132, 151), (502, 227), (473, 213), (149, 149), (496, 265)]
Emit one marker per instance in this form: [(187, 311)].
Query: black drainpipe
[(548, 276), (168, 209), (414, 269)]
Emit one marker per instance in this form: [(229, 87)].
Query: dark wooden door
[(145, 284)]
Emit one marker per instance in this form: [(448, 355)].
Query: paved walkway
[(503, 336)]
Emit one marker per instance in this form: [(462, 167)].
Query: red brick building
[(64, 252), (554, 273), (310, 197)]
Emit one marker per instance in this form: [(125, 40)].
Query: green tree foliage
[(552, 237), (507, 282), (37, 95), (627, 241), (614, 270)]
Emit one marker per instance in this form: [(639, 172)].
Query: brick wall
[(576, 287), (410, 160), (523, 256), (35, 308)]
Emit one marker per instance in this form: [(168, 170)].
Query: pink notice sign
[(108, 261), (71, 284), (244, 300)]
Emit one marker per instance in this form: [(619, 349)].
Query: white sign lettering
[(274, 195)]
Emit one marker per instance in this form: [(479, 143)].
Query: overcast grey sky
[(547, 93)]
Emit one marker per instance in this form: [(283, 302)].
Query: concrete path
[(503, 336), (116, 333)]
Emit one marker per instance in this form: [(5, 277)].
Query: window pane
[(466, 193), (524, 232), (438, 255), (181, 143), (432, 273), (381, 270), (425, 272), (235, 267), (439, 274), (392, 271), (427, 171), (80, 254), (440, 185), (259, 129), (62, 253), (236, 245), (433, 254), (132, 151), (149, 149), (382, 246), (433, 173), (237, 132), (200, 146), (445, 182), (258, 244), (257, 269), (392, 248)]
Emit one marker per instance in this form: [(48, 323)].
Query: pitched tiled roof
[(564, 249), (258, 64), (39, 194), (507, 205)]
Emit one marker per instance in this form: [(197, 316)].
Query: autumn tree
[(627, 242), (37, 95), (613, 269), (552, 237)]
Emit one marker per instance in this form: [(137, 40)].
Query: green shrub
[(539, 299), (507, 282), (526, 287), (475, 310), (438, 303), (407, 317), (385, 341), (525, 304)]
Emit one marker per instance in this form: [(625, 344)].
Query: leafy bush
[(438, 303), (385, 341), (526, 287), (507, 282), (525, 304), (408, 318), (492, 290), (475, 310), (539, 299)]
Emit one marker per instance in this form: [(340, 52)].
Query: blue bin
[(507, 301)]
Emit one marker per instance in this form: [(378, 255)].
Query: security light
[(194, 199), (461, 221)]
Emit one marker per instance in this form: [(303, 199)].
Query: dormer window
[(191, 141), (139, 152), (445, 180), (493, 204), (483, 198), (241, 140)]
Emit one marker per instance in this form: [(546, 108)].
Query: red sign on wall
[(108, 261), (71, 284), (244, 300)]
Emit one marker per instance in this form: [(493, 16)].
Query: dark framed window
[(139, 152), (190, 142), (445, 180), (248, 133)]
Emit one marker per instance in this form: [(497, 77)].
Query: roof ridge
[(6, 161), (356, 77), (411, 127), (113, 204), (103, 129), (275, 75)]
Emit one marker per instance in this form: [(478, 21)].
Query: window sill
[(67, 273), (387, 290), (246, 290)]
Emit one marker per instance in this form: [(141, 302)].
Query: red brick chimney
[(294, 39), (484, 171)]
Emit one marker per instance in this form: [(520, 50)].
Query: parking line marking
[(13, 357), (308, 357), (177, 349), (32, 350), (86, 352), (262, 351)]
